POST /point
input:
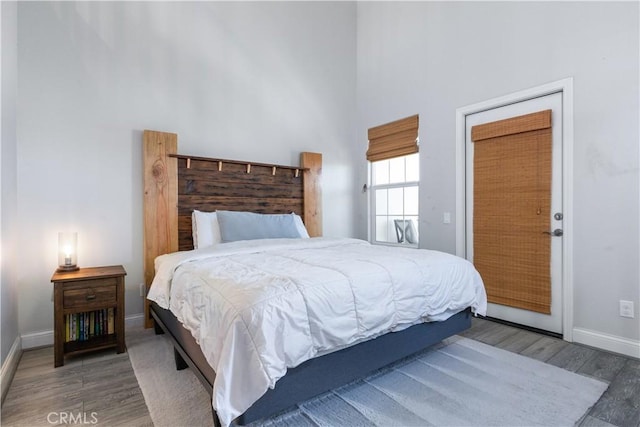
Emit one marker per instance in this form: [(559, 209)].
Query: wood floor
[(96, 386), (103, 387)]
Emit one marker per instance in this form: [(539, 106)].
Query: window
[(394, 200), (395, 176)]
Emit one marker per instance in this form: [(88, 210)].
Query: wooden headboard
[(175, 185)]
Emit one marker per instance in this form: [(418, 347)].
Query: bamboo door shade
[(512, 209), (394, 139)]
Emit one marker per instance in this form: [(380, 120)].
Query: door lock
[(558, 216)]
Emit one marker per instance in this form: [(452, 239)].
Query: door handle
[(557, 232)]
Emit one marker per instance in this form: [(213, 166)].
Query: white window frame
[(372, 214)]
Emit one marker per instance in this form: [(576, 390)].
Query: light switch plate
[(626, 309)]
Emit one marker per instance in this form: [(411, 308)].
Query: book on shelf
[(92, 324), (89, 324), (110, 323)]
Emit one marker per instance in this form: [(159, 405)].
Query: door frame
[(565, 87)]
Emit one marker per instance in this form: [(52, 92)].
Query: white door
[(549, 322)]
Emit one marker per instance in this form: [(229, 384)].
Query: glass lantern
[(67, 251)]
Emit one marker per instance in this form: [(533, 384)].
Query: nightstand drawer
[(73, 298)]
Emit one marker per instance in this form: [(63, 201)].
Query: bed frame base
[(319, 375)]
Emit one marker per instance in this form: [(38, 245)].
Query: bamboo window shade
[(394, 139), (512, 209)]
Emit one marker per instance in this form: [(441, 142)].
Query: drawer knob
[(91, 297)]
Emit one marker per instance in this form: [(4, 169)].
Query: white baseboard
[(9, 366), (607, 342), (134, 320), (37, 339), (45, 338)]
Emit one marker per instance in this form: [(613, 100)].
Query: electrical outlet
[(142, 289), (626, 309), (446, 218)]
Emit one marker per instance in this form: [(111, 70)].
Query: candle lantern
[(67, 251)]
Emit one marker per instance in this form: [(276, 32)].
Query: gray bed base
[(314, 376)]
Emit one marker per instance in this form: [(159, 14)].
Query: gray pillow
[(250, 226)]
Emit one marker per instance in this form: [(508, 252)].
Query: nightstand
[(88, 310)]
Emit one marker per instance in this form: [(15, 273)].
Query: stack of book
[(88, 325)]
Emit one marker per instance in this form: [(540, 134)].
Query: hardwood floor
[(103, 385), (98, 388)]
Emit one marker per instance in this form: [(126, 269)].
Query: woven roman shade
[(512, 210), (394, 139)]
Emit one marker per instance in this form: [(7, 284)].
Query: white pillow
[(205, 229), (300, 226)]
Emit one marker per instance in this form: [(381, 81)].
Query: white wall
[(8, 180), (251, 81), (433, 57), (266, 80)]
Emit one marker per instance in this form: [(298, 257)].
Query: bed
[(294, 317)]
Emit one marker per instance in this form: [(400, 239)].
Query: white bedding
[(259, 307)]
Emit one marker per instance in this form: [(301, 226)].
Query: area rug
[(463, 383)]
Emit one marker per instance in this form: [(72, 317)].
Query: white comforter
[(259, 307)]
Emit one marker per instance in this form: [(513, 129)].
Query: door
[(514, 208)]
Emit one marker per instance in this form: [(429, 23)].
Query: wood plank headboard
[(175, 185)]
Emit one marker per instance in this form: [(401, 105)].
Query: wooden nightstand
[(88, 310)]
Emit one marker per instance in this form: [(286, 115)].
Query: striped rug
[(463, 383)]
